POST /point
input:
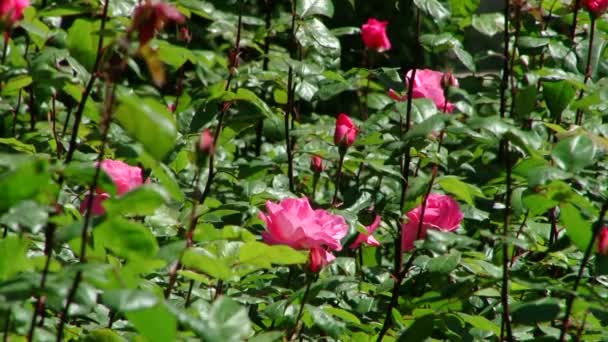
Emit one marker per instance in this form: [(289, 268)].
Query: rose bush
[(187, 170)]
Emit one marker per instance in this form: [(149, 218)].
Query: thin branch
[(506, 320), (570, 301), (579, 112)]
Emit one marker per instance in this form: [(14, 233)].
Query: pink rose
[(374, 36), (11, 11), (124, 176), (151, 17), (316, 164), (368, 239), (602, 241), (346, 132), (441, 213), (206, 144), (596, 7), (294, 223), (429, 84)]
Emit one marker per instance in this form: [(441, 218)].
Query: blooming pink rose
[(11, 11), (429, 84), (206, 144), (596, 7), (316, 164), (441, 213), (124, 176), (151, 17), (602, 241), (346, 131), (368, 239), (374, 36), (294, 223)]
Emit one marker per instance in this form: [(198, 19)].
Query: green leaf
[(542, 310), (325, 321), (84, 173), (16, 83), (147, 121), (263, 255), (24, 182), (226, 320), (141, 201), (481, 323), (103, 335), (18, 145), (419, 330), (444, 263), (126, 239), (489, 24), (433, 124), (156, 324), (525, 102), (574, 154), (129, 300), (214, 267), (13, 256), (578, 229), (558, 95), (309, 8), (82, 42), (460, 189), (433, 8)]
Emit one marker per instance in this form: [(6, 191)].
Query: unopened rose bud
[(206, 144), (316, 164), (602, 241)]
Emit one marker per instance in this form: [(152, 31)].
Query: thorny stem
[(579, 112), (107, 119), (294, 333), (514, 54), (52, 117), (577, 6), (259, 128), (89, 86), (505, 69), (290, 102), (570, 301), (338, 175), (521, 228), (506, 322)]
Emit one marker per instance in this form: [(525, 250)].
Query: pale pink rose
[(602, 241), (596, 7), (368, 239), (441, 213), (96, 208), (11, 11), (374, 35), (319, 258), (294, 223), (124, 176), (345, 132), (429, 84)]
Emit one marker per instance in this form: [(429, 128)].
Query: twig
[(342, 152), (290, 101), (579, 112), (577, 6), (570, 301), (107, 119), (505, 68), (294, 333), (89, 86)]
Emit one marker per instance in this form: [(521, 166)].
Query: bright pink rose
[(374, 36), (346, 131), (429, 84), (206, 144), (96, 208), (316, 164), (602, 241), (151, 17), (124, 176), (368, 239), (441, 213), (596, 7), (11, 11), (294, 223), (319, 258)]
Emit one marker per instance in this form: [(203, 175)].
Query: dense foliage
[(337, 170)]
